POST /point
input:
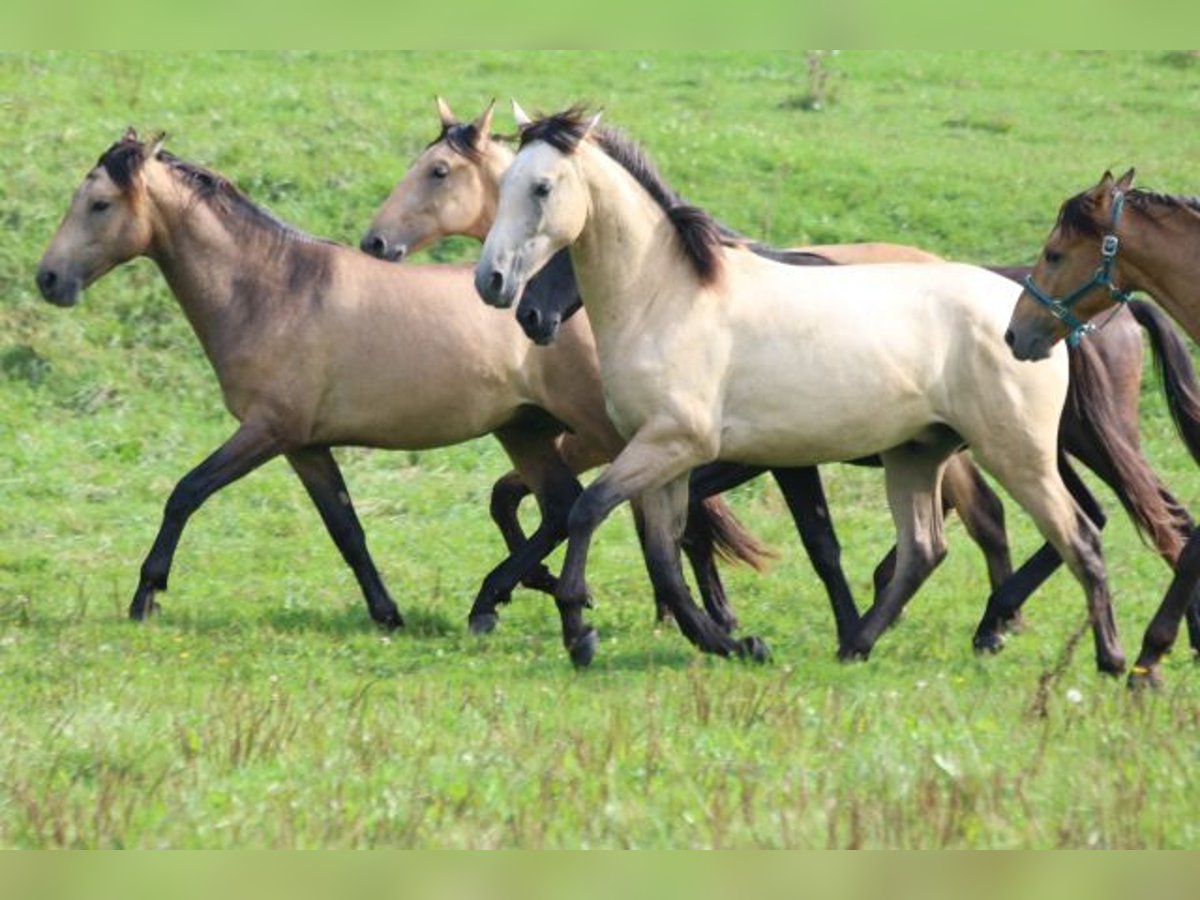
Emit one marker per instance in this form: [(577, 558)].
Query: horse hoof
[(850, 654), (482, 623), (1014, 624), (991, 642), (140, 611), (1114, 666), (1143, 678), (584, 648), (754, 648)]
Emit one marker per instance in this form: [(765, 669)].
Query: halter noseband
[(1060, 307)]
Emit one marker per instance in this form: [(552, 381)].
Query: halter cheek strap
[(1060, 307)]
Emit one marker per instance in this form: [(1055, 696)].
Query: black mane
[(1078, 214), (462, 138), (701, 236)]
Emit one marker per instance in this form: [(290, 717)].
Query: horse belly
[(820, 433)]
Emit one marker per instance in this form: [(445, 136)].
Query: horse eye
[(100, 205), (1053, 257), (441, 170), (541, 189)]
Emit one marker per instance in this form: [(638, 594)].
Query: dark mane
[(124, 159), (700, 235), (461, 137), (1078, 214), (225, 199)]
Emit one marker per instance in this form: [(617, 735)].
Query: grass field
[(262, 708)]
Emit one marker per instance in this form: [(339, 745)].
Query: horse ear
[(130, 134), (444, 112), (592, 123), (483, 125), (156, 144), (1125, 182), (521, 117)]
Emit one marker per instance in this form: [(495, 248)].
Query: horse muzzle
[(539, 328), (375, 244), (495, 288), (57, 289), (1028, 345)]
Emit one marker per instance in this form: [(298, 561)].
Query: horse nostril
[(529, 318), (46, 280), (374, 244), (496, 283), (1009, 337)]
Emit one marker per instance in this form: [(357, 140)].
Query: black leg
[(323, 480), (507, 494), (245, 451), (559, 489), (1183, 593), (805, 497)]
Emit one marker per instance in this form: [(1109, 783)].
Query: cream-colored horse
[(316, 345), (709, 351)]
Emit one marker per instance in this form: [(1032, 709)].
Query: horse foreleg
[(645, 464), (321, 477), (507, 494), (248, 448), (664, 510), (541, 467)]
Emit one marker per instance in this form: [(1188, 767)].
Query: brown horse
[(316, 345), (452, 188), (1108, 241)]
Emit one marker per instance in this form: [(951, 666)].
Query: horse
[(316, 345), (1109, 241), (709, 351), (451, 188)]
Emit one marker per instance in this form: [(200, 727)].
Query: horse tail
[(1155, 513), (1175, 371), (731, 539)]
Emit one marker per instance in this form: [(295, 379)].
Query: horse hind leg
[(322, 479), (1182, 598), (1005, 603), (1031, 477), (913, 475)]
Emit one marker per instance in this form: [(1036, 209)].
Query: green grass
[(262, 709)]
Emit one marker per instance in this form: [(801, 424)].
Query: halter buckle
[(1108, 247)]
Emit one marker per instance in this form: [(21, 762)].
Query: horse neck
[(1163, 256), (495, 162), (627, 251), (212, 270)]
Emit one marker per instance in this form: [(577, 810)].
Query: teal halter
[(1060, 307)]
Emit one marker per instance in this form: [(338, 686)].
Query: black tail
[(1174, 366), (1098, 423), (731, 539)]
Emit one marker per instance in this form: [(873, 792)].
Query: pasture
[(263, 709)]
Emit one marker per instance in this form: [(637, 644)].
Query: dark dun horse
[(316, 345), (1108, 241)]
